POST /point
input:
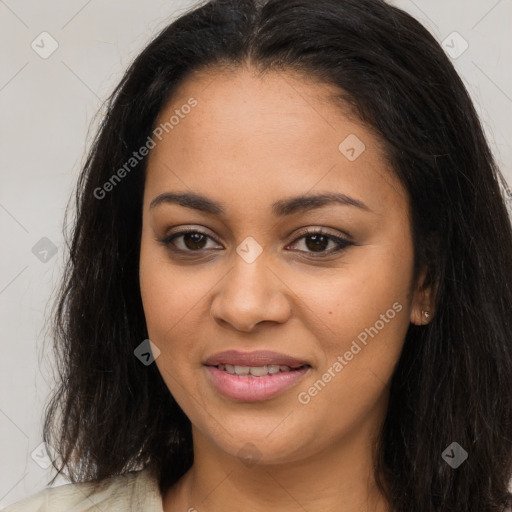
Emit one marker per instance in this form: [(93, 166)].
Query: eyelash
[(343, 243)]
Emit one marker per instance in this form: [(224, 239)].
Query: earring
[(426, 314)]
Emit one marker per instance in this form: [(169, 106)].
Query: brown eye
[(316, 243), (194, 240), (186, 241)]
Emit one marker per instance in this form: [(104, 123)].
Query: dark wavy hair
[(453, 382)]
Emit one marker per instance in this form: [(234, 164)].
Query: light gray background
[(47, 106)]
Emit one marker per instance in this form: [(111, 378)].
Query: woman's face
[(318, 321)]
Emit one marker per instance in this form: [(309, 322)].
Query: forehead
[(256, 138)]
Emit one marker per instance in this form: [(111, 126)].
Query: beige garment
[(136, 491)]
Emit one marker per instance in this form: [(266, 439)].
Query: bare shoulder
[(135, 490)]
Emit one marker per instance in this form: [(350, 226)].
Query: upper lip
[(256, 358)]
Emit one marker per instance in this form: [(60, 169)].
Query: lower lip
[(248, 388)]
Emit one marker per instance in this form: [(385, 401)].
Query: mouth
[(258, 371), (256, 359), (254, 376)]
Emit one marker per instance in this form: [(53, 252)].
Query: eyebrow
[(282, 208)]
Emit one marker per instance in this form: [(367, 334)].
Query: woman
[(290, 279)]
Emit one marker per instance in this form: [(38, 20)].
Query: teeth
[(255, 371), (242, 370), (258, 371)]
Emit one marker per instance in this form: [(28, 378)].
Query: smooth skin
[(250, 141)]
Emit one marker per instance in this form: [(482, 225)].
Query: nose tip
[(249, 296), (239, 324)]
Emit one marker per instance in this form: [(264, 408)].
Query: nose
[(250, 294)]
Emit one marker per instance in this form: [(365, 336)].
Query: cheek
[(357, 294), (171, 300), (367, 311), (170, 295)]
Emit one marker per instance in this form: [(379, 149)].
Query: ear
[(422, 310)]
